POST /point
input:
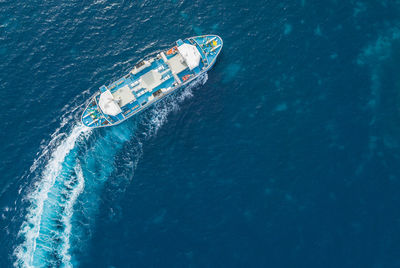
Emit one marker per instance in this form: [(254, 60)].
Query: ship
[(151, 80)]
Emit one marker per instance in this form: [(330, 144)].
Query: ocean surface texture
[(285, 154)]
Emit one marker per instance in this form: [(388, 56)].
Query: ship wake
[(68, 176)]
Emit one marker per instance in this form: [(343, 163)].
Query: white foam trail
[(56, 137), (31, 227), (69, 210), (60, 146), (159, 115)]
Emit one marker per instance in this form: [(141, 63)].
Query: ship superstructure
[(152, 79)]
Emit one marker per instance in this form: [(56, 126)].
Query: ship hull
[(152, 80)]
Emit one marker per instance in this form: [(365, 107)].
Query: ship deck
[(148, 80)]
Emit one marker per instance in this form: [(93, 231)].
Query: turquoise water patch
[(281, 107), (198, 30), (230, 72), (184, 15), (277, 84), (267, 191), (159, 217), (3, 50), (73, 51), (237, 125), (287, 28), (215, 26), (373, 56), (333, 56), (380, 49), (361, 7), (318, 31)]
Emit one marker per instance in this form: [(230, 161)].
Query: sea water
[(285, 154)]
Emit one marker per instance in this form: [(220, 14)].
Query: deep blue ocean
[(285, 154)]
